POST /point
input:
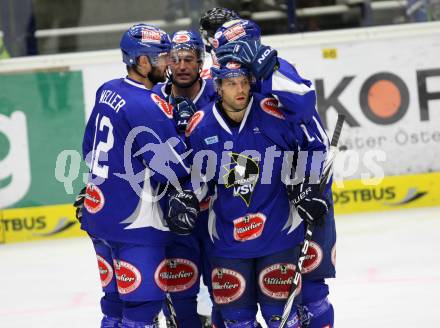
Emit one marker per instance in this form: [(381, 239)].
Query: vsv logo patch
[(242, 176)]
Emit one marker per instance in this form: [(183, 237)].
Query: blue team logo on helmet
[(235, 30), (188, 40), (144, 40)]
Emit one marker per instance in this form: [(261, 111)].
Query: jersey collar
[(222, 122), (202, 88), (135, 83)]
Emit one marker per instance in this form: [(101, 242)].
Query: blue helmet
[(188, 40), (235, 30), (230, 70), (143, 39)]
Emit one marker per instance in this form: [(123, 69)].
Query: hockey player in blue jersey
[(188, 92), (240, 40), (184, 81), (135, 156), (244, 138)]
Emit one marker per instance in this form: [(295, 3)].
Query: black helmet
[(211, 20)]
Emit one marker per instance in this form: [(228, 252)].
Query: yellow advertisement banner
[(396, 192), (39, 223)]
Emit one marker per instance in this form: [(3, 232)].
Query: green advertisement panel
[(41, 115)]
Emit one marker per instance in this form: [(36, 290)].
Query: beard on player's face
[(157, 75)]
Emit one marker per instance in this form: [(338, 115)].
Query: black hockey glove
[(183, 208), (260, 59), (184, 109), (79, 203), (309, 203)]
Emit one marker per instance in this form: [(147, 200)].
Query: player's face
[(185, 67), (235, 93), (158, 70)]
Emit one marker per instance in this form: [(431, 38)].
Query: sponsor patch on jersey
[(275, 280), (227, 285), (334, 255), (234, 32), (149, 35), (128, 277), (94, 201), (181, 37), (193, 122), (204, 204), (211, 140), (163, 105), (270, 106), (313, 258), (105, 271), (176, 275), (249, 227)]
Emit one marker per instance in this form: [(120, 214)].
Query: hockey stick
[(172, 311), (326, 174)]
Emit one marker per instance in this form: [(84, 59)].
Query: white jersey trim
[(135, 84), (324, 136), (202, 88), (280, 82), (220, 120), (162, 89), (246, 114), (148, 213)]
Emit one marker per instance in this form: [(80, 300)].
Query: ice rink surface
[(388, 275)]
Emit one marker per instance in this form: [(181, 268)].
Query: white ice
[(388, 275)]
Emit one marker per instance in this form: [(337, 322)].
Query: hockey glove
[(260, 59), (79, 204), (183, 208), (309, 203), (184, 109)]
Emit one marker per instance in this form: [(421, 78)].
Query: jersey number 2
[(104, 146)]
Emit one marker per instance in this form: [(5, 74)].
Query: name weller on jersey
[(111, 98)]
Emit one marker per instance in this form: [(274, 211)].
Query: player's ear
[(144, 62), (219, 90)]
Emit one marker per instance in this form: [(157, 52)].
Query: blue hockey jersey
[(296, 94), (133, 150), (206, 94), (250, 215)]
